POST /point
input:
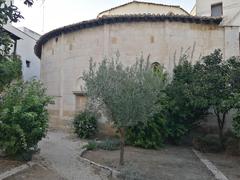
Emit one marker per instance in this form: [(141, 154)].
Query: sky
[(43, 17)]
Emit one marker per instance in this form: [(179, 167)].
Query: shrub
[(12, 139), (232, 146), (209, 143), (92, 145), (182, 109), (85, 124), (231, 143), (10, 69), (152, 134), (176, 131), (236, 126), (108, 144), (23, 117)]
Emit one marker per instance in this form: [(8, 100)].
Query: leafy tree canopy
[(217, 81)]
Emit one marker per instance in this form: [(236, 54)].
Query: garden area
[(170, 162), (159, 117)]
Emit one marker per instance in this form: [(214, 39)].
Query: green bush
[(184, 107), (10, 69), (152, 134), (209, 143), (23, 117), (108, 144), (236, 125), (85, 124), (12, 140), (92, 145), (232, 145), (176, 131)]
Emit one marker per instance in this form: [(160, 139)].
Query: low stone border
[(211, 167), (16, 170), (114, 173)]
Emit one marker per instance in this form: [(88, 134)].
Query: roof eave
[(122, 19)]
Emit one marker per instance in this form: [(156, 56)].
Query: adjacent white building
[(229, 10), (24, 42)]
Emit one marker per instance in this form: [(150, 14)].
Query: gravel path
[(61, 151)]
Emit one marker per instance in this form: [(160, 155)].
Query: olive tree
[(128, 93)]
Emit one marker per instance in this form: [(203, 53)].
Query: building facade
[(65, 52)]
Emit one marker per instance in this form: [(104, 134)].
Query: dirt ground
[(6, 164), (36, 173), (169, 163), (229, 165)]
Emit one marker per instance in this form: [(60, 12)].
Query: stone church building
[(137, 28)]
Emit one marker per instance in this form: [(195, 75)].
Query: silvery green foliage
[(129, 93)]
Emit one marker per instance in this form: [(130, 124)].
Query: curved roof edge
[(143, 2), (122, 19)]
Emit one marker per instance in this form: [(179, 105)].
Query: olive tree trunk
[(122, 144), (221, 123)]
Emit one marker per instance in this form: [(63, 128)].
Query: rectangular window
[(217, 9), (28, 63)]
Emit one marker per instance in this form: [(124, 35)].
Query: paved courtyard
[(59, 159), (61, 152)]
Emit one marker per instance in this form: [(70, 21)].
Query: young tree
[(217, 83), (128, 93)]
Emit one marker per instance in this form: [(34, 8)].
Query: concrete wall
[(231, 19), (143, 8), (25, 48), (66, 57), (231, 10)]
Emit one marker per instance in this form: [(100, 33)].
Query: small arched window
[(155, 66)]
